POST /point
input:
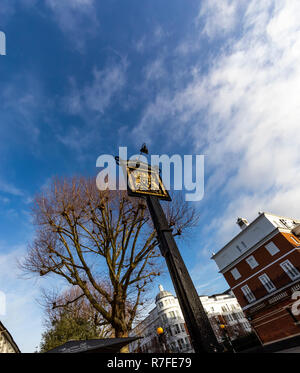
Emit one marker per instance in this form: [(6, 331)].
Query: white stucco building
[(221, 308), (7, 344)]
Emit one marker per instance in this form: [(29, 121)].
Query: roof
[(237, 235), (163, 294), (9, 338), (261, 213), (112, 345)]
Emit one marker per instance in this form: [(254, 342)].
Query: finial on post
[(144, 149)]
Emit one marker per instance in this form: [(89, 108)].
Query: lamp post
[(162, 338), (226, 336), (145, 181)]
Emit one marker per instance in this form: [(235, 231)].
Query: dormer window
[(239, 249)]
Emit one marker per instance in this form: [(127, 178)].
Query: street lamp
[(226, 335), (162, 338), (144, 181)]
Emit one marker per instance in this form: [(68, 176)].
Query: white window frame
[(295, 240), (252, 262), (235, 273), (172, 315), (248, 293), (266, 281), (272, 248), (176, 329), (180, 342), (292, 271)]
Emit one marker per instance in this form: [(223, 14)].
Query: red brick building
[(262, 267)]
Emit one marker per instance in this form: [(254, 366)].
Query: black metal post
[(202, 336)]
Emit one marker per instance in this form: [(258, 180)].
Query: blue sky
[(83, 77)]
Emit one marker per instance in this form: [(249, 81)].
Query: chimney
[(242, 223)]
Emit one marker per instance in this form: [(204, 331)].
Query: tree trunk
[(122, 334)]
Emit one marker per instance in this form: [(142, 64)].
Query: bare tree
[(74, 303), (70, 316), (91, 238)]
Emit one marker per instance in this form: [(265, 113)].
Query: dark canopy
[(112, 345)]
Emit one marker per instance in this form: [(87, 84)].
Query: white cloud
[(10, 189), (218, 17), (76, 18), (24, 316), (8, 8), (99, 94), (23, 319), (155, 69), (106, 84), (244, 114), (90, 102), (22, 102), (151, 40)]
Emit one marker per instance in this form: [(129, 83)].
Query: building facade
[(262, 267), (7, 344), (220, 308)]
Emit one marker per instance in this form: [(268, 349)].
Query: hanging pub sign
[(143, 180)]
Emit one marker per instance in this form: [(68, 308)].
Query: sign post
[(144, 181)]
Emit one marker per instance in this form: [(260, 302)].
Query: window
[(272, 248), (181, 343), (235, 273), (228, 318), (182, 328), (290, 270), (160, 304), (294, 239), (172, 315), (252, 262), (164, 318), (243, 243), (248, 293), (268, 284), (176, 329), (286, 223), (239, 249)]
